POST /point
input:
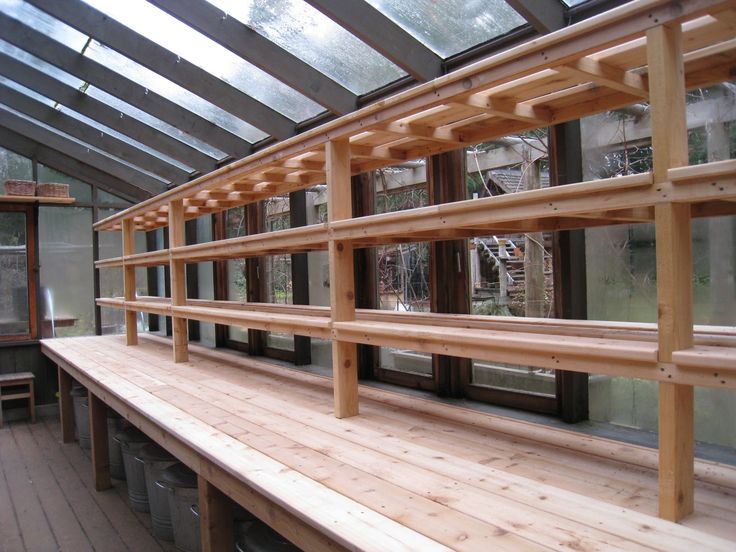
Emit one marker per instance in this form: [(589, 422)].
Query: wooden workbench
[(408, 474)]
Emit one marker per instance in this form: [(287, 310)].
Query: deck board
[(49, 503), (466, 486)]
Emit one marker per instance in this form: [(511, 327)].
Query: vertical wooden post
[(342, 279), (131, 322), (674, 270), (178, 280), (215, 518), (100, 450), (66, 406)]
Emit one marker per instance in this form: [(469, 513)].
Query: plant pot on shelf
[(20, 188), (52, 189)]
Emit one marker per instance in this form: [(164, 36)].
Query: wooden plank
[(100, 450), (342, 279), (66, 406), (215, 518), (131, 319), (674, 270), (178, 280)]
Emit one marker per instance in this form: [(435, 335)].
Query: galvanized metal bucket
[(131, 441), (181, 486), (261, 538), (81, 416), (155, 460)]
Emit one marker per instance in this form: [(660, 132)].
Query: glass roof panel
[(153, 81), (572, 3), (124, 138), (182, 40), (131, 111), (39, 64), (451, 26), (75, 140), (316, 39), (44, 23)]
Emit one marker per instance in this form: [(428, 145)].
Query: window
[(17, 283)]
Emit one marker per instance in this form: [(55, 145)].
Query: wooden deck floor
[(48, 502), (467, 480)]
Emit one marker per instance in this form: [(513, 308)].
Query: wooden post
[(178, 280), (100, 450), (215, 518), (674, 270), (533, 245), (342, 279), (66, 406), (131, 322)]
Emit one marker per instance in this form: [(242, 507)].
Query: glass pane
[(44, 23), (67, 287), (403, 269), (14, 270), (40, 65), (14, 167), (277, 270), (315, 38), (153, 81), (236, 283), (181, 39), (574, 2), (131, 111), (81, 191), (451, 26), (621, 262), (106, 198)]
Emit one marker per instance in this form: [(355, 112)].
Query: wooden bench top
[(406, 474), (17, 377)]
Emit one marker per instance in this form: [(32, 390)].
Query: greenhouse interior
[(380, 275)]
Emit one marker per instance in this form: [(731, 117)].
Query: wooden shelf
[(37, 199), (594, 66)]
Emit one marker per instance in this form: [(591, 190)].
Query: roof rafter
[(63, 57), (383, 35), (262, 52), (80, 152), (146, 52), (99, 111), (56, 160), (86, 133), (545, 16)]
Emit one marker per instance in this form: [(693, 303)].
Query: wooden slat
[(674, 270), (342, 279), (178, 280), (131, 318)]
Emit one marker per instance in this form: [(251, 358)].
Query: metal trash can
[(114, 425), (81, 415), (181, 487), (242, 521), (131, 441), (155, 460), (261, 538)]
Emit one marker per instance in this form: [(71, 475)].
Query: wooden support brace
[(342, 280), (66, 406), (215, 518), (131, 317), (674, 271), (178, 280), (608, 76), (100, 449)]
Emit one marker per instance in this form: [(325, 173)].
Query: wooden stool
[(19, 379)]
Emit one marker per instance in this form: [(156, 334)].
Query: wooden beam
[(509, 109), (215, 518), (100, 447), (66, 406), (674, 271), (342, 279), (608, 76), (131, 317), (178, 279)]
